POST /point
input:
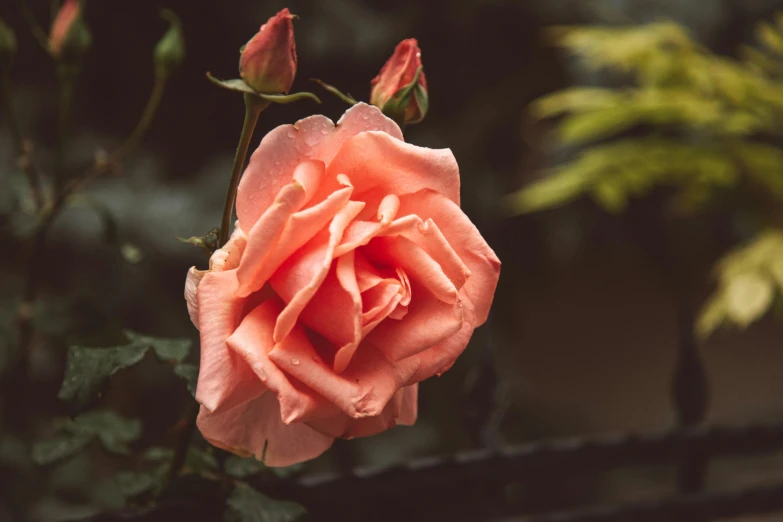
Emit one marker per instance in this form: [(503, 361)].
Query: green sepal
[(398, 103), (208, 241), (347, 98), (239, 85)]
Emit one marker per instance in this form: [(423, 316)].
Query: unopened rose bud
[(396, 90), (69, 38), (268, 60), (7, 46), (170, 50)]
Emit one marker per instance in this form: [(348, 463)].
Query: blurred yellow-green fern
[(711, 123)]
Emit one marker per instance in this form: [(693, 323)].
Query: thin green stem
[(48, 215), (253, 107), (133, 140), (22, 153)]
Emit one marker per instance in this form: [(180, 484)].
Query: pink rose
[(268, 60), (396, 74), (352, 274)]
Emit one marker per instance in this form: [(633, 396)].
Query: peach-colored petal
[(362, 390), (379, 163), (299, 278), (265, 233), (272, 164), (253, 341), (428, 322), (428, 236), (227, 257), (224, 379), (254, 428), (191, 287), (466, 241), (401, 252), (410, 405), (441, 357)]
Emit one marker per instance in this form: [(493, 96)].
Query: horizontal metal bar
[(686, 508)]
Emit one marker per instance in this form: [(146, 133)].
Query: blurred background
[(592, 304)]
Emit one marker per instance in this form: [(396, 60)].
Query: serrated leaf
[(200, 461), (58, 448), (88, 369), (113, 431), (748, 296), (165, 349), (189, 373), (248, 505)]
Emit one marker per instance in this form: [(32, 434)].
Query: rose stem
[(49, 213), (253, 107)]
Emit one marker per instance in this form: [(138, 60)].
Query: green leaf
[(200, 461), (711, 316), (248, 505), (188, 372), (88, 369), (165, 349), (113, 432), (748, 296), (59, 448), (134, 483)]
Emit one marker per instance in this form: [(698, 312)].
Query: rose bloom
[(352, 274)]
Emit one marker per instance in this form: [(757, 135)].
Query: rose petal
[(191, 286), (282, 149), (466, 241), (365, 387), (379, 163), (297, 280), (404, 253), (265, 233), (253, 341), (255, 428), (429, 321), (261, 260), (227, 257), (224, 379)]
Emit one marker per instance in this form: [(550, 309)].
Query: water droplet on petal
[(291, 134), (324, 131), (365, 116), (295, 362)]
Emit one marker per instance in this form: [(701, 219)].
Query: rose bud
[(69, 37), (268, 61), (392, 91)]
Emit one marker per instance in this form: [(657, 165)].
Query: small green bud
[(170, 50)]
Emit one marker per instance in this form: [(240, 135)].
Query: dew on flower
[(295, 362)]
